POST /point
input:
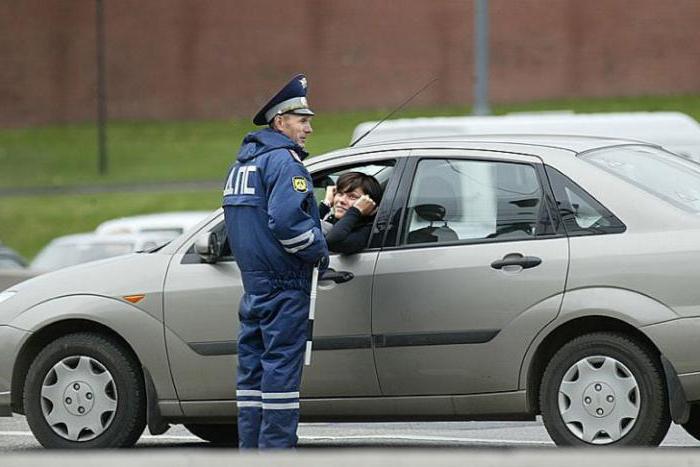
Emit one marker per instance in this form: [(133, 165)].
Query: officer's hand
[(330, 194), (365, 205)]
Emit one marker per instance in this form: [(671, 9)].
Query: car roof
[(517, 143), (675, 130)]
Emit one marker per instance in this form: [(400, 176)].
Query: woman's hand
[(365, 205), (330, 194)]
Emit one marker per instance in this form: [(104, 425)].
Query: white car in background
[(111, 238), (675, 131), (165, 224), (70, 250)]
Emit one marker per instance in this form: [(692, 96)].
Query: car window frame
[(399, 208)]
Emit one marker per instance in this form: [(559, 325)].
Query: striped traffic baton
[(312, 312)]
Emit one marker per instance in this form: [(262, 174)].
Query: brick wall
[(191, 59)]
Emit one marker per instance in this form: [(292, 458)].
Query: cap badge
[(302, 81)]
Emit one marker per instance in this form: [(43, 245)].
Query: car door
[(201, 315), (474, 268)]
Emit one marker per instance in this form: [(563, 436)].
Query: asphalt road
[(15, 436)]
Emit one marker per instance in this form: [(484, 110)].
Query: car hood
[(139, 273)]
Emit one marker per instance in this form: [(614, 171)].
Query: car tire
[(692, 426), (85, 390), (217, 434), (605, 389)]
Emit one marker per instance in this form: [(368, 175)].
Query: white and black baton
[(312, 312)]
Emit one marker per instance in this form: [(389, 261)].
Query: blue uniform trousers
[(271, 342)]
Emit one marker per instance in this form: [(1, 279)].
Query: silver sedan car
[(505, 277)]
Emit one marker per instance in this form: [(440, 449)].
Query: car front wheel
[(604, 389), (85, 390)]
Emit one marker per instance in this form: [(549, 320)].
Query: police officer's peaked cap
[(290, 99)]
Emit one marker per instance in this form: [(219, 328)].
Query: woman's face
[(344, 201)]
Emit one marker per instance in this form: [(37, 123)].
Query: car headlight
[(7, 295)]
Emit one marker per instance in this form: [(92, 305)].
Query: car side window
[(580, 212), (471, 200)]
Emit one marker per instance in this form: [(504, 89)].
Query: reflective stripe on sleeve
[(301, 247), (298, 238)]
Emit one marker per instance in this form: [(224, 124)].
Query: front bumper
[(678, 342), (10, 340)]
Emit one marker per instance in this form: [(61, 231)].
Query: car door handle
[(516, 259), (338, 277)]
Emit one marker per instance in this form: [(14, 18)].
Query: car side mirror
[(208, 247)]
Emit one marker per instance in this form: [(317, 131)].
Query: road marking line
[(341, 438), (361, 437), (429, 438), (16, 433)]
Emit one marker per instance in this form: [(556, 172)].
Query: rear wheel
[(220, 435), (85, 390), (604, 389)]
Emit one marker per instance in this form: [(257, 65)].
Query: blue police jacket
[(272, 218)]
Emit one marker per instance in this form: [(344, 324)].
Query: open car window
[(381, 170)]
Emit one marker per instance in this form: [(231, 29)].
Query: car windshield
[(661, 173), (63, 255)]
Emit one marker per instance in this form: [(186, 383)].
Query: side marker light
[(134, 298)]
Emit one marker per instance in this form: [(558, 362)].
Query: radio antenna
[(426, 86)]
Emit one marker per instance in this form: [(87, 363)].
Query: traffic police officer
[(274, 232)]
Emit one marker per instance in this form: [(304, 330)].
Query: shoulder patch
[(299, 184)]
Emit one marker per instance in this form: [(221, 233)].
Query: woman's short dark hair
[(368, 184)]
